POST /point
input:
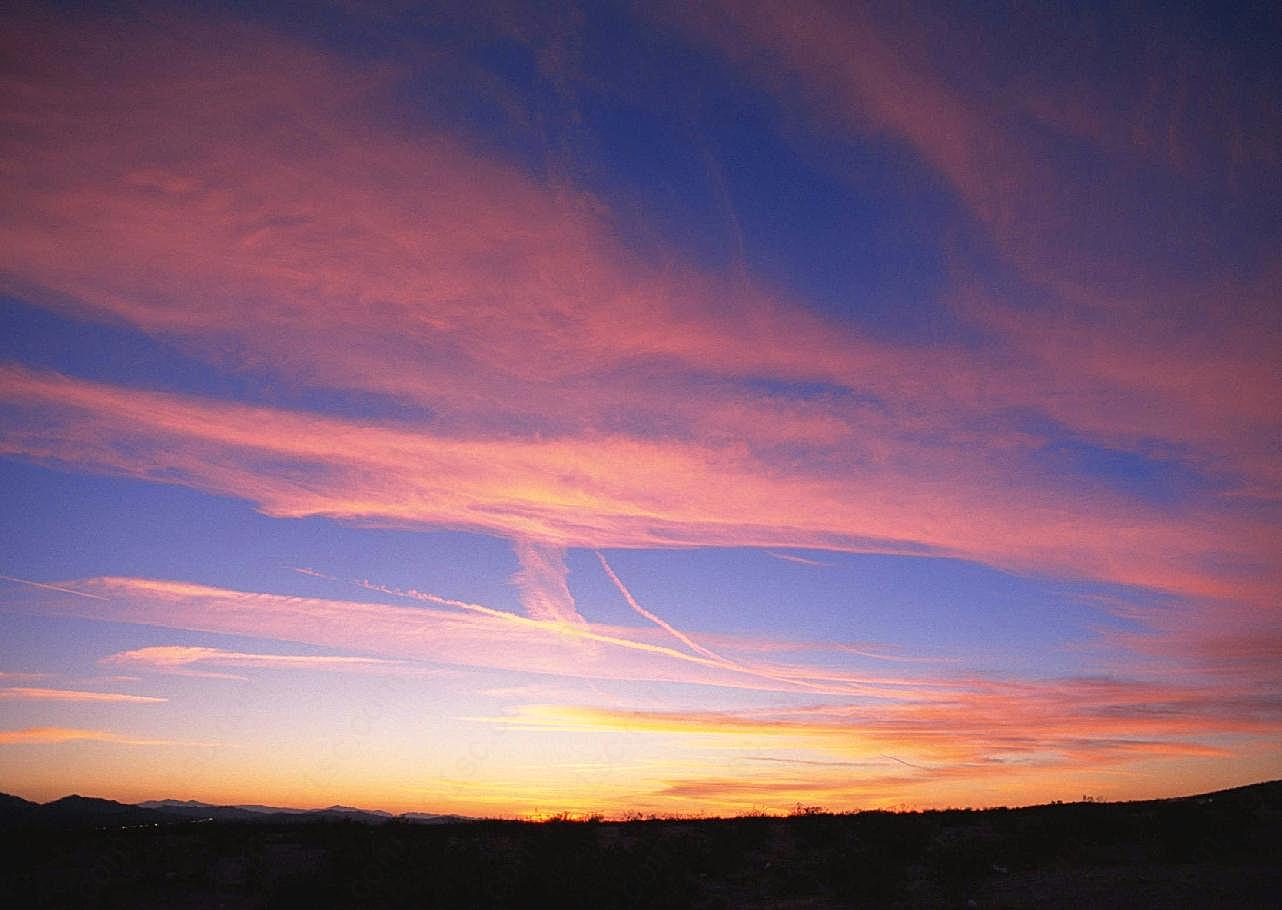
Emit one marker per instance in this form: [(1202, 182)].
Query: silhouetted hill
[(14, 808), (427, 818), (174, 804), (90, 812), (365, 816), (1266, 793), (1220, 849), (82, 811), (270, 810), (193, 810)]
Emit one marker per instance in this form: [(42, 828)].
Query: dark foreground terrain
[(1217, 850)]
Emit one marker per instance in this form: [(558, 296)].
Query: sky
[(662, 408)]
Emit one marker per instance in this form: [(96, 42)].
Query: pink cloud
[(435, 629), (542, 583), (922, 736), (40, 584), (1110, 356), (451, 631), (25, 693), (570, 491), (419, 269), (248, 200), (1064, 725), (181, 659), (936, 718)]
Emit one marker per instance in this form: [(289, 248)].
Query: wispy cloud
[(1044, 729), (890, 654), (571, 493), (47, 586), (449, 630), (182, 659), (969, 730), (1012, 150), (571, 420), (541, 582), (25, 693), (583, 394), (55, 735), (311, 573), (642, 611), (751, 669), (452, 631), (800, 560)]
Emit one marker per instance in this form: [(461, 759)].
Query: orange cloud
[(56, 735), (1058, 726), (924, 737)]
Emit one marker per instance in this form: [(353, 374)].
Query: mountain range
[(77, 811)]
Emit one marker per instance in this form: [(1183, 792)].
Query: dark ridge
[(13, 809), (77, 811), (1268, 791), (1217, 849), (88, 811)]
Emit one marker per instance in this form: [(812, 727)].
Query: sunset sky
[(684, 408)]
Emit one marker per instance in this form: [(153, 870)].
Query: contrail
[(723, 662), (798, 559), (40, 584), (541, 624), (908, 763), (303, 570), (671, 630), (707, 658)]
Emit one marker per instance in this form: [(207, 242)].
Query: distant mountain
[(193, 810), (1221, 849), (174, 804), (354, 809), (14, 808), (77, 811), (1268, 793), (90, 812), (355, 813), (427, 818), (271, 810)]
